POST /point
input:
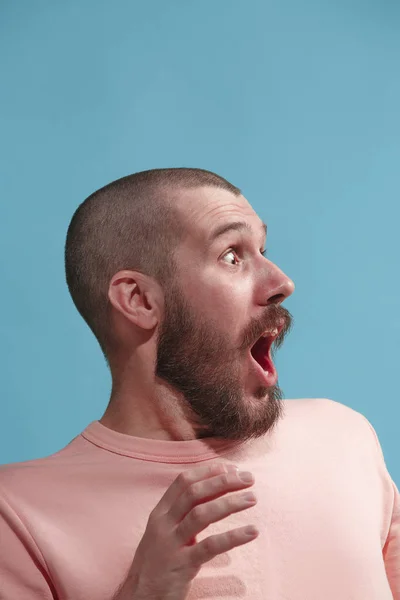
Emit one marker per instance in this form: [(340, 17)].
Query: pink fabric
[(328, 513)]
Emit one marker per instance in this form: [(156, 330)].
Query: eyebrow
[(235, 226)]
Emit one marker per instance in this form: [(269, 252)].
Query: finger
[(218, 544), (204, 490), (187, 478), (202, 515)]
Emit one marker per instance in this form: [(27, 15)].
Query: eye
[(232, 251)]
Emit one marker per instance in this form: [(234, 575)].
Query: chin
[(262, 393)]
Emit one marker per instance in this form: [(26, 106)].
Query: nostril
[(276, 299)]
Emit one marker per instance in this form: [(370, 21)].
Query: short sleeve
[(391, 549), (23, 573)]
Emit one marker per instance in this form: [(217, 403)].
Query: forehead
[(206, 208)]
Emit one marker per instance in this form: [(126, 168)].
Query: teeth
[(273, 332)]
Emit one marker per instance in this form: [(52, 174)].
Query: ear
[(137, 297)]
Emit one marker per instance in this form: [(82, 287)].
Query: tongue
[(260, 353)]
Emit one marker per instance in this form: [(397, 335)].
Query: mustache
[(275, 316)]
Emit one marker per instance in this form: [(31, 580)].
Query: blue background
[(296, 102)]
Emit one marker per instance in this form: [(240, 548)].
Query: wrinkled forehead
[(204, 209)]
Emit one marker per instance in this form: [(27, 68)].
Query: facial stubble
[(197, 360)]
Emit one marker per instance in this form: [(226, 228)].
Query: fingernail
[(246, 476)]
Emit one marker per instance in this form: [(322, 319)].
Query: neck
[(143, 406)]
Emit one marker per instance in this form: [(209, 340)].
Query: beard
[(197, 360)]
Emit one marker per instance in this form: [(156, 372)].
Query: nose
[(280, 286)]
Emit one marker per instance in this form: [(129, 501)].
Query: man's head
[(206, 295)]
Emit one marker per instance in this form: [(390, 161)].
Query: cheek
[(224, 301)]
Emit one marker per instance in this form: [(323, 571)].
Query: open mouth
[(261, 354)]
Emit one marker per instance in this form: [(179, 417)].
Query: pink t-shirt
[(328, 512)]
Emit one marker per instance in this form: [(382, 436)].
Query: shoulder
[(331, 420), (26, 478), (322, 408)]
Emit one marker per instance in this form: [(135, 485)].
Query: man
[(168, 269)]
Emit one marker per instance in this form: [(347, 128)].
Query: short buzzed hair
[(131, 224)]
